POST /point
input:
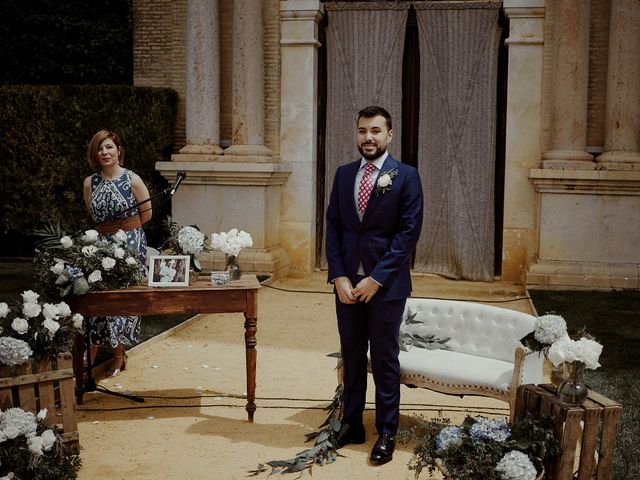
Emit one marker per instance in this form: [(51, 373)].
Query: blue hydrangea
[(448, 436), (494, 429), (73, 272)]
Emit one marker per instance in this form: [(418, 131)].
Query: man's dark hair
[(374, 111)]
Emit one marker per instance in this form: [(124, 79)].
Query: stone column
[(622, 127), (203, 80), (568, 129), (299, 128), (248, 83), (524, 127)]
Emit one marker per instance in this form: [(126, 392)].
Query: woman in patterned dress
[(108, 192)]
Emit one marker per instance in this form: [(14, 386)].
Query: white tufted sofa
[(484, 355)]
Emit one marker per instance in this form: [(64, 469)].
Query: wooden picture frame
[(169, 270)]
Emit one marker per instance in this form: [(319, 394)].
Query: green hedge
[(66, 42), (44, 134)]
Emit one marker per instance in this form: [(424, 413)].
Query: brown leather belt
[(112, 226)]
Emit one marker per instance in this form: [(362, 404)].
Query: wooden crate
[(591, 427), (40, 384)]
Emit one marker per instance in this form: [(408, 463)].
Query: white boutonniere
[(385, 181)]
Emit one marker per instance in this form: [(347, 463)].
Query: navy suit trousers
[(375, 324)]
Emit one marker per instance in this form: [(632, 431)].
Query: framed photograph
[(169, 270)]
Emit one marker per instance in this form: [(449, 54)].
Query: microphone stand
[(90, 384)]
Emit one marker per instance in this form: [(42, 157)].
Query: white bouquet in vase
[(231, 243)]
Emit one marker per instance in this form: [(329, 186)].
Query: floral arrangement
[(87, 262), (185, 240), (385, 180), (490, 449), (29, 448), (32, 328), (550, 336), (230, 243)]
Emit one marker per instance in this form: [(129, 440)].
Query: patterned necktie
[(366, 185)]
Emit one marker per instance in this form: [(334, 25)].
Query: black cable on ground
[(288, 290)]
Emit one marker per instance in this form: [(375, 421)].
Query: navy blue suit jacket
[(387, 235)]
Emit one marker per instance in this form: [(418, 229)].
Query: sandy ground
[(195, 426)]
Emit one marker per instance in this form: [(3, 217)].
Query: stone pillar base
[(249, 151), (618, 160), (272, 261), (568, 160), (201, 149), (588, 275)]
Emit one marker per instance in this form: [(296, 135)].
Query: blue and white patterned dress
[(108, 197)]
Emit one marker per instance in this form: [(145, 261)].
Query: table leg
[(250, 327)]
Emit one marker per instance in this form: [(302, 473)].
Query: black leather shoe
[(382, 451), (350, 434)]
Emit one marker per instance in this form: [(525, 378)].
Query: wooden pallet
[(43, 384), (592, 426)]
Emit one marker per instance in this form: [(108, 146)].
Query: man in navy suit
[(374, 219)]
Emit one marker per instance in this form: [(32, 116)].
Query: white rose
[(131, 261), (11, 432), (63, 309), (51, 325), (384, 180), (35, 444), (66, 241), (50, 311), (90, 236), (118, 252), (588, 351), (120, 236), (561, 351), (48, 440), (77, 321), (30, 296), (31, 310), (108, 263), (4, 310), (57, 268), (20, 325), (95, 276), (89, 250), (42, 414)]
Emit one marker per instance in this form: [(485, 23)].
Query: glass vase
[(573, 391), (235, 272)]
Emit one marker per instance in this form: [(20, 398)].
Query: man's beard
[(371, 156)]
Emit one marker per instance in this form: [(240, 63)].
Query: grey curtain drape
[(365, 42), (456, 153)]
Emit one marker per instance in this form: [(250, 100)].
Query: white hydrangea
[(16, 419), (515, 465), (191, 240), (549, 328), (14, 351)]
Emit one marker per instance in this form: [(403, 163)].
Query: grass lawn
[(614, 319)]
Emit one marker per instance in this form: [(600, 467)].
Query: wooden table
[(593, 425), (240, 296)]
